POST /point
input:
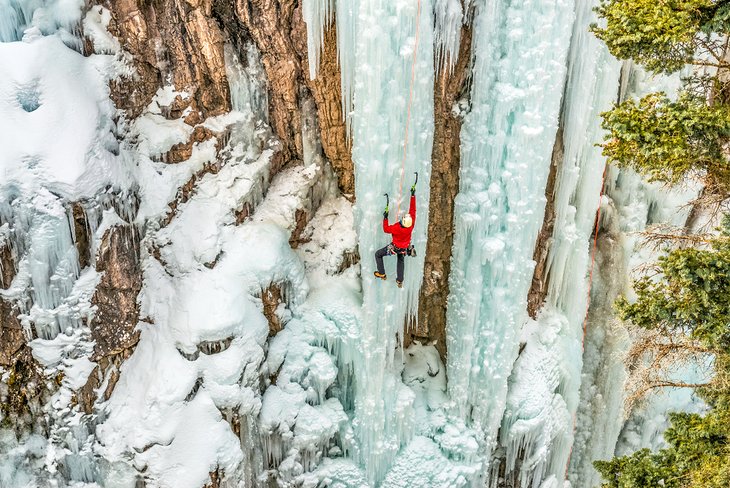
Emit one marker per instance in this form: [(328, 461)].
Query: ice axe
[(387, 203), (413, 188)]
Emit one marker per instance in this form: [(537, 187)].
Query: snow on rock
[(202, 441), (43, 16), (55, 103), (537, 419), (329, 239), (303, 417), (424, 372)]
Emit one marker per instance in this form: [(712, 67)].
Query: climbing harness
[(588, 300), (408, 251), (408, 116)]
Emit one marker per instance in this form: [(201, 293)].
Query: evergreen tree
[(669, 140), (691, 296), (663, 35)]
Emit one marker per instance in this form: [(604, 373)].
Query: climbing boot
[(382, 276), (399, 283)]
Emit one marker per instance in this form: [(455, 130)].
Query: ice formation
[(331, 397), (540, 433), (385, 57), (507, 141)]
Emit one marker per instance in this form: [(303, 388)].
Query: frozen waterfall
[(265, 343), (382, 58)]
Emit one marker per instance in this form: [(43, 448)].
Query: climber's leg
[(399, 267), (380, 273)]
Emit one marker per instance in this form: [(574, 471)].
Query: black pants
[(384, 252)]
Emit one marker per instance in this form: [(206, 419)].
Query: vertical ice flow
[(385, 40), (630, 205), (376, 42), (539, 432), (507, 139)]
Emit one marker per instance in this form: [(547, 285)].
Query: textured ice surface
[(44, 16), (506, 143), (333, 399), (376, 50), (381, 95), (539, 432)]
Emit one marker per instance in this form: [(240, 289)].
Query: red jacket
[(402, 235)]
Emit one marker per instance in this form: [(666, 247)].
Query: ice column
[(376, 41), (507, 140), (385, 39), (631, 204), (543, 436), (47, 15)]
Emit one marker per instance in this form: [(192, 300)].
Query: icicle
[(447, 32), (378, 39), (317, 15)]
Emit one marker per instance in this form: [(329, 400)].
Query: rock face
[(81, 234), (280, 35), (113, 325), (327, 92), (11, 333), (269, 25), (7, 265), (25, 389), (539, 287), (271, 298), (174, 42), (448, 89)]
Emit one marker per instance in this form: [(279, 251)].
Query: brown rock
[(271, 298), (7, 265), (445, 162), (269, 23), (113, 325), (302, 219), (11, 332), (327, 92), (539, 287), (171, 41), (107, 367), (182, 151), (26, 386), (81, 235)]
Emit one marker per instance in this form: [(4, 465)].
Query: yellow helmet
[(407, 220)]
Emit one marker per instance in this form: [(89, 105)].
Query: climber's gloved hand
[(385, 214), (413, 190)]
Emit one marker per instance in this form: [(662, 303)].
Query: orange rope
[(588, 301), (408, 116)]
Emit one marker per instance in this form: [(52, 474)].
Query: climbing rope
[(408, 115), (588, 300)]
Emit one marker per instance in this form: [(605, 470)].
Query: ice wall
[(378, 47), (61, 147), (630, 206), (385, 41), (507, 140), (59, 166), (44, 16), (537, 430)]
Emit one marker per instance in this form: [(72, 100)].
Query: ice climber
[(401, 243)]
